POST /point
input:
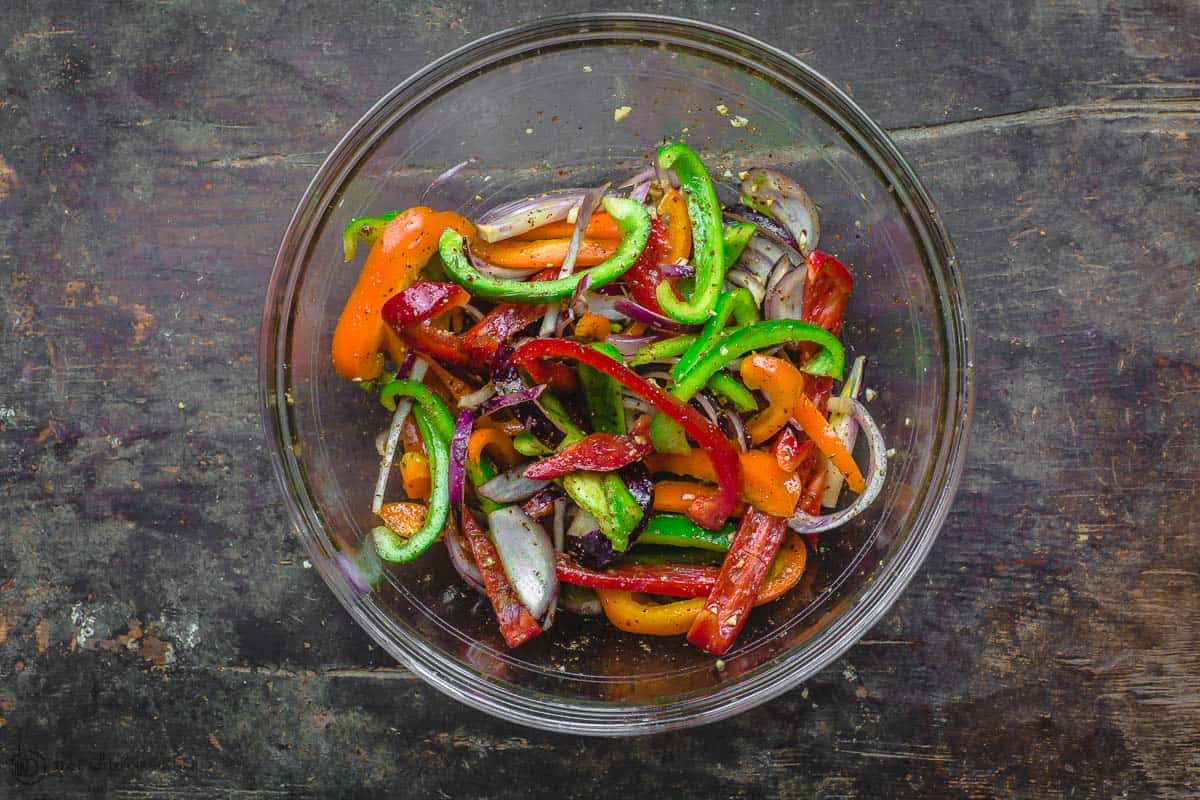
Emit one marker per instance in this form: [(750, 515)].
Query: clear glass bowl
[(535, 105)]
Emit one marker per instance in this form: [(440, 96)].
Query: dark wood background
[(160, 635)]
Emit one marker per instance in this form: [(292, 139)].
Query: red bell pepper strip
[(670, 580), (597, 452), (516, 623), (644, 276), (422, 301), (746, 564), (708, 512), (827, 292), (501, 324), (789, 451), (410, 313)]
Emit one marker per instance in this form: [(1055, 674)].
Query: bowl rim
[(778, 674)]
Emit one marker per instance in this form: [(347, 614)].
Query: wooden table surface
[(160, 635)]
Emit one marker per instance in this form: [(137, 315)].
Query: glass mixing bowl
[(535, 106)]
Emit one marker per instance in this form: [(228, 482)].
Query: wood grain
[(160, 635)]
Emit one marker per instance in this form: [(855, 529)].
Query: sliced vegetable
[(682, 580), (396, 259), (631, 217), (806, 523), (517, 625), (709, 513), (390, 546), (727, 607), (596, 452), (708, 245), (778, 196), (527, 556), (782, 385)]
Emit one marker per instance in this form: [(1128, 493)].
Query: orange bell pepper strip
[(497, 442), (395, 261), (781, 383), (673, 208), (542, 253), (593, 326), (765, 485), (414, 471), (676, 497), (813, 422), (600, 226), (404, 519), (632, 613)]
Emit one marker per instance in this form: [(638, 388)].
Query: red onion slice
[(445, 176), (458, 456), (521, 216), (628, 345), (639, 313), (876, 473), (511, 486), (785, 295), (461, 558), (527, 555), (677, 270), (542, 503), (780, 197)]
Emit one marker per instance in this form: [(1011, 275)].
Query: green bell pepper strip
[(732, 390), (828, 362), (737, 303), (388, 543), (632, 219), (676, 530), (663, 349), (479, 474), (603, 394), (737, 236), (665, 556), (439, 415), (527, 444), (708, 237), (603, 495), (731, 344), (363, 229)]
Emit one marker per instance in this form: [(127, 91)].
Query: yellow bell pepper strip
[(812, 422), (631, 217), (727, 607), (765, 486), (395, 261), (781, 383), (404, 519), (629, 613), (708, 237), (542, 253), (706, 512), (674, 209), (634, 614)]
